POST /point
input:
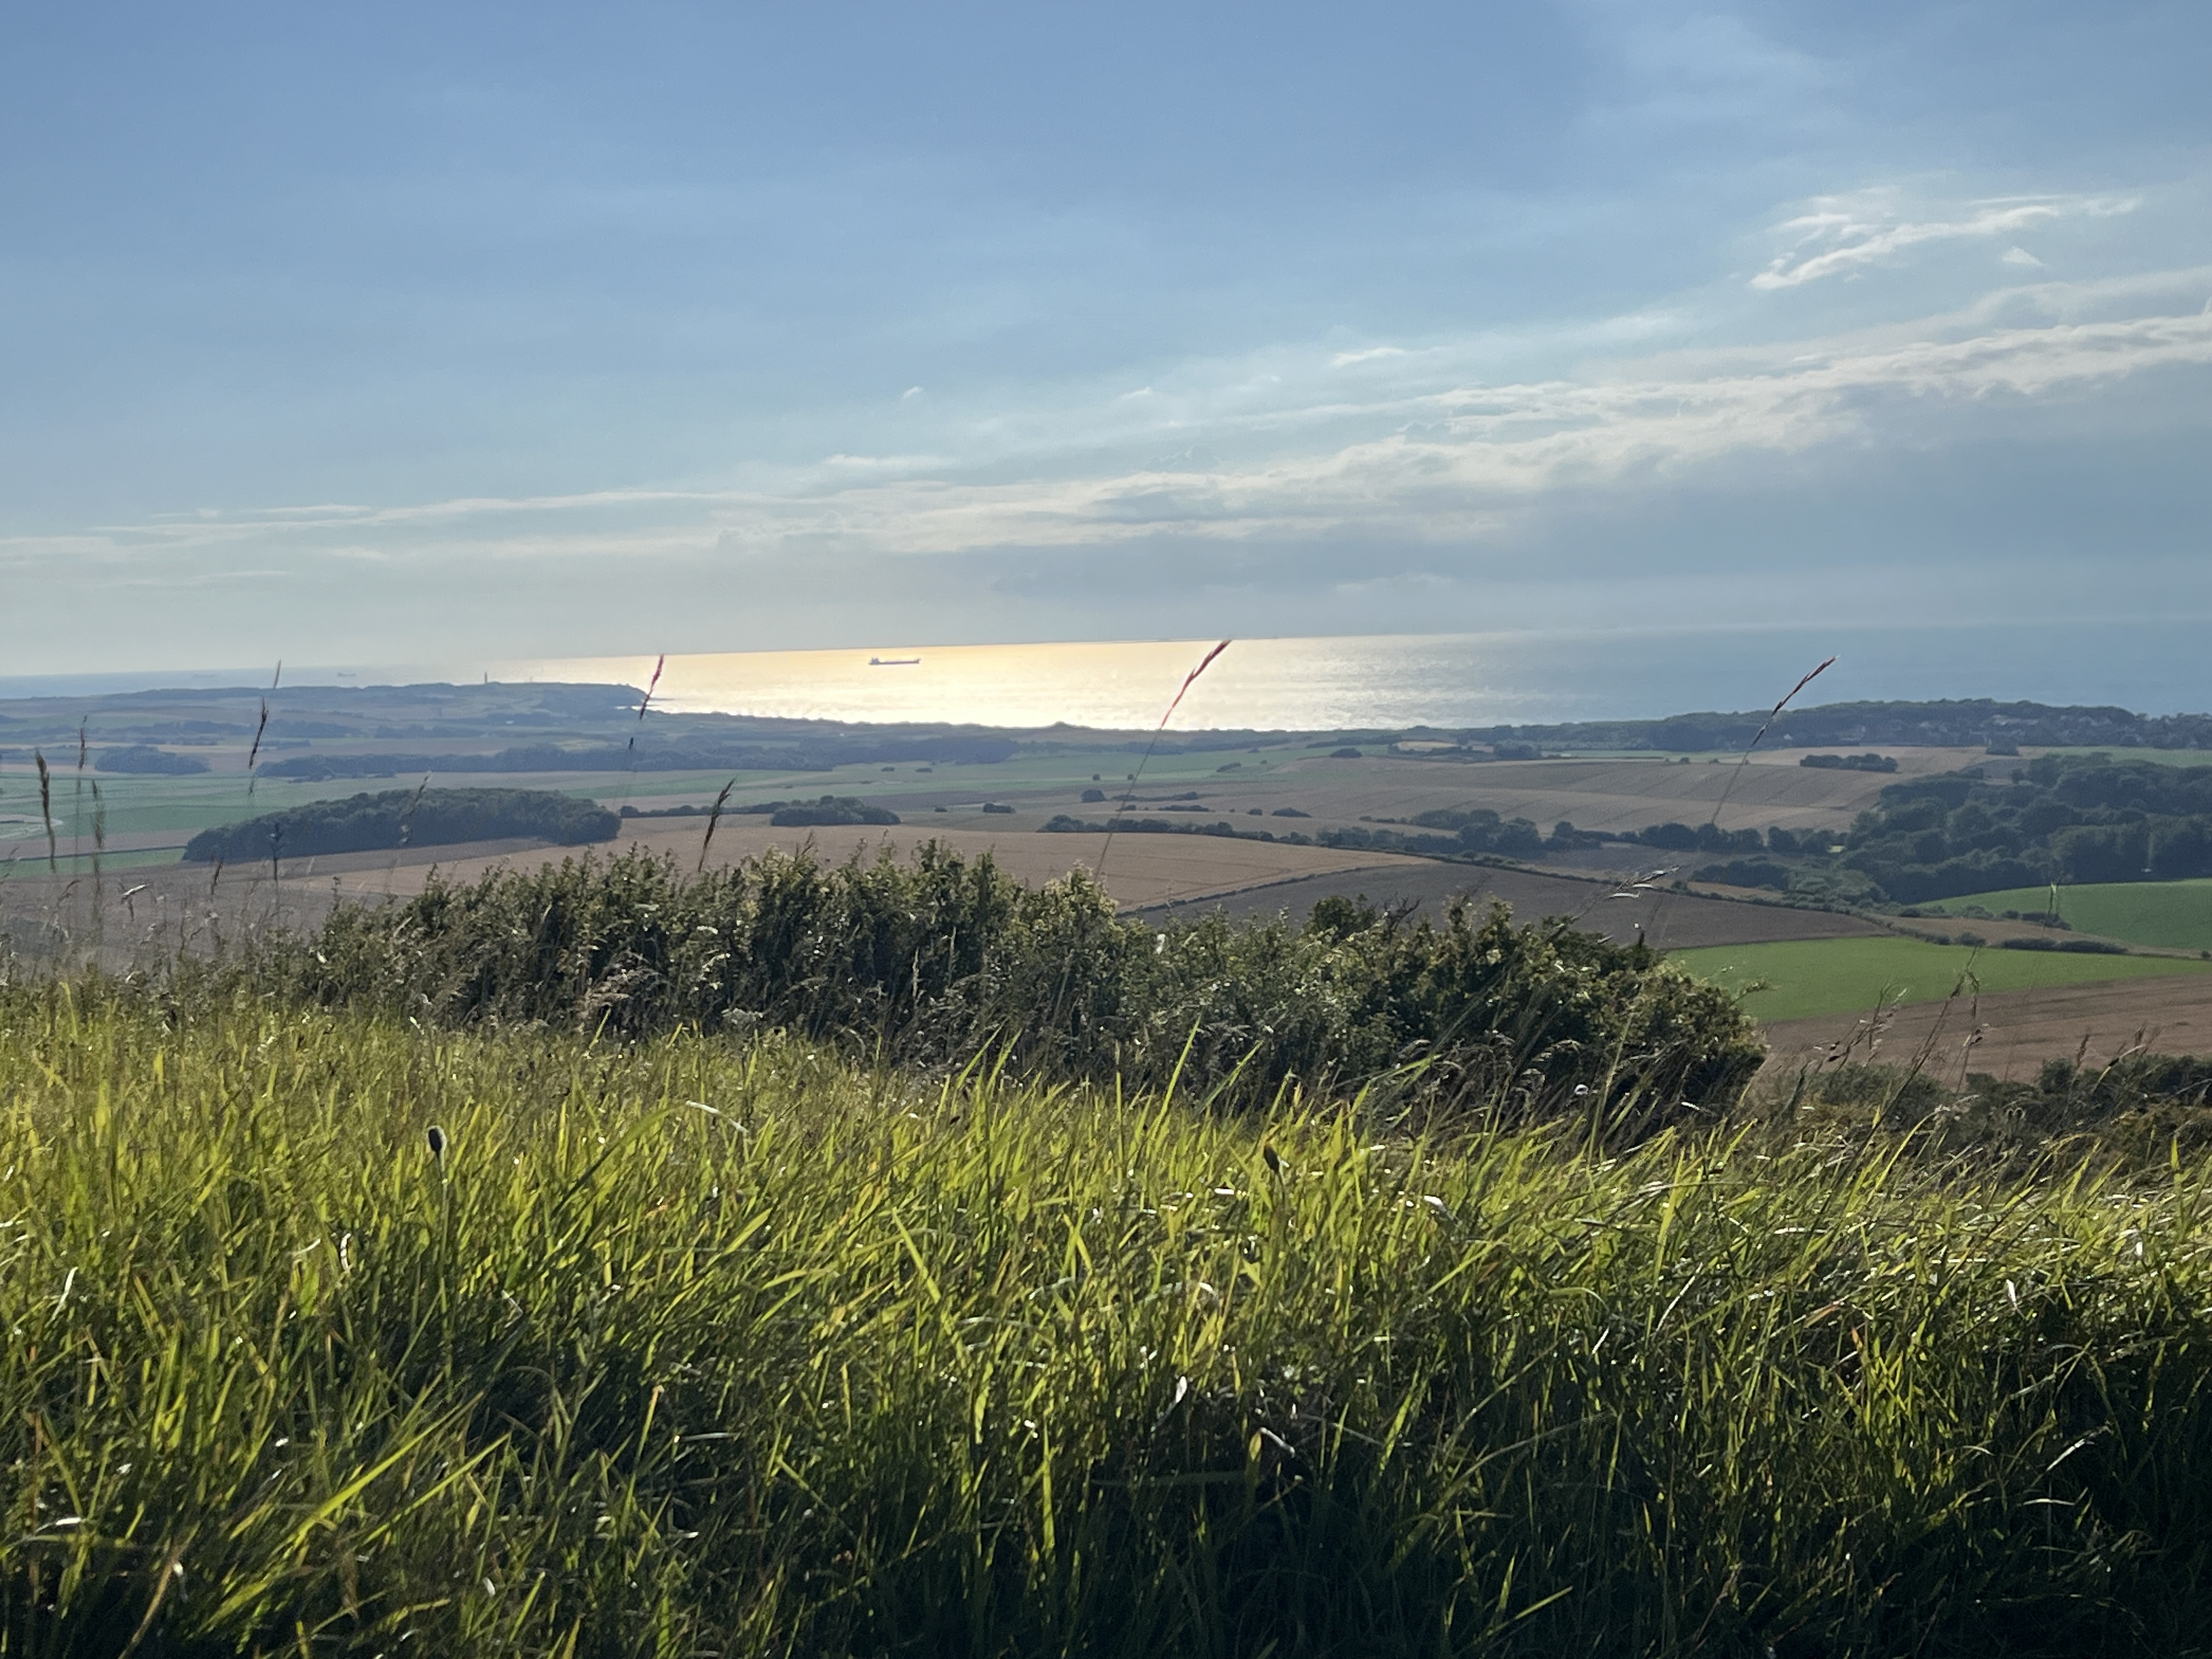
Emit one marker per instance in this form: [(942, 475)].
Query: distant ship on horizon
[(894, 662)]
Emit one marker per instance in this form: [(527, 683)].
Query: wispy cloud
[(1841, 236), (1414, 462), (1484, 449)]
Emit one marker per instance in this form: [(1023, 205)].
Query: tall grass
[(689, 1346)]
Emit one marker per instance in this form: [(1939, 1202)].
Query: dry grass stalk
[(1123, 805), (630, 792), (1728, 789), (253, 754), (713, 818), (47, 809), (1758, 737), (407, 818)]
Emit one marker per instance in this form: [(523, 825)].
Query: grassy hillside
[(1843, 975), (686, 1347), (2175, 915)]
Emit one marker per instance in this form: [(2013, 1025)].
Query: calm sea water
[(1392, 680), (1446, 680)]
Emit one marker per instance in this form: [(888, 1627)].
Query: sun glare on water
[(1278, 683)]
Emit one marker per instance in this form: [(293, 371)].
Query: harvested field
[(1668, 921), (2014, 1032), (1844, 977), (1594, 794)]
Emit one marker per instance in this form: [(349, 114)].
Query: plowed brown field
[(2010, 1034)]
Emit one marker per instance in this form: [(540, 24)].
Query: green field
[(27, 858), (140, 804), (2174, 915), (1844, 976)]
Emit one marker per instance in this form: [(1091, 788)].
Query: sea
[(1333, 682), (1324, 684)]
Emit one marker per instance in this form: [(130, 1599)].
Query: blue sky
[(404, 333)]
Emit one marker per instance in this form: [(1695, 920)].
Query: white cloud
[(1345, 359), (843, 463), (1845, 235), (2021, 256)]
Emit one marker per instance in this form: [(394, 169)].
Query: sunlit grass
[(692, 1348)]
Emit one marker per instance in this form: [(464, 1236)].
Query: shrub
[(936, 961), (831, 809)]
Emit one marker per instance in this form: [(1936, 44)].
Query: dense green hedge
[(407, 818), (1852, 762), (831, 809), (938, 960)]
